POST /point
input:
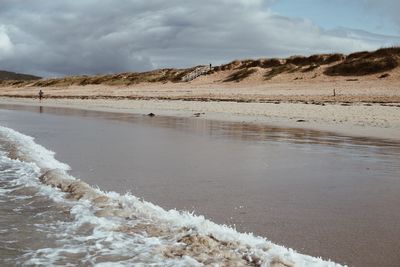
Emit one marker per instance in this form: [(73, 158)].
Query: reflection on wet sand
[(242, 131)]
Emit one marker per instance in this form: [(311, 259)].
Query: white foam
[(133, 248), (43, 157)]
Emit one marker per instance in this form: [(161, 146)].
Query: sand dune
[(358, 77)]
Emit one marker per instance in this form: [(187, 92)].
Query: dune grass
[(355, 64), (365, 63)]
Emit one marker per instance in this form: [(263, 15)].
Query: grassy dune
[(331, 65)]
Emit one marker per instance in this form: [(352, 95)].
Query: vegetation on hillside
[(364, 63), (356, 64), (12, 76)]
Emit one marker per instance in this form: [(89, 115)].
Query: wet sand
[(355, 119), (319, 193)]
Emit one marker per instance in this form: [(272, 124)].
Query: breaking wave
[(107, 228)]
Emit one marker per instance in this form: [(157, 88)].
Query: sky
[(57, 38)]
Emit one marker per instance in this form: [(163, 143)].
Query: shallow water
[(108, 229), (319, 193)]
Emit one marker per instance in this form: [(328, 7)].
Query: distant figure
[(210, 66), (40, 95)]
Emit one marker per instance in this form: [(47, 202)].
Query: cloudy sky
[(56, 38)]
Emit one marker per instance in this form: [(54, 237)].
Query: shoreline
[(257, 178), (128, 208), (357, 119)]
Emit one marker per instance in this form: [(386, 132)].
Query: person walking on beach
[(40, 95)]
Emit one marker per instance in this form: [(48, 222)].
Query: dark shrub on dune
[(333, 58), (357, 55), (319, 59), (269, 63), (365, 63), (299, 60)]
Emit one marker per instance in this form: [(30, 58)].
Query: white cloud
[(5, 43), (388, 9), (85, 37)]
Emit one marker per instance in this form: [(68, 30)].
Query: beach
[(181, 171), (200, 133), (258, 178), (358, 119)]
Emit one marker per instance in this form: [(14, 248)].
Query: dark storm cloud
[(48, 37)]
